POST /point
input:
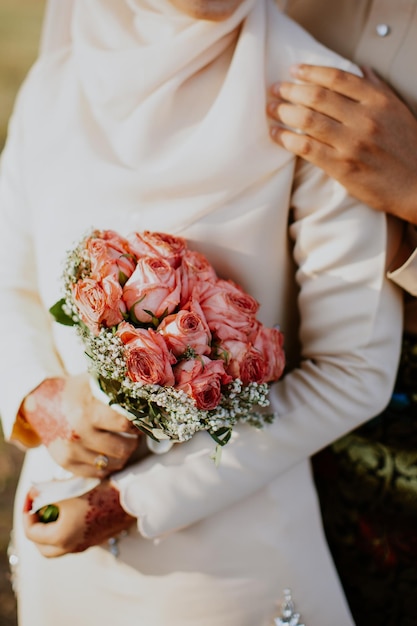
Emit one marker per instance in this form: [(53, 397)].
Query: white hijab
[(170, 95), (179, 102)]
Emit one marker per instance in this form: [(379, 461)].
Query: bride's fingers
[(36, 531), (114, 445), (50, 552), (95, 468), (46, 537), (98, 464), (101, 454), (104, 417)]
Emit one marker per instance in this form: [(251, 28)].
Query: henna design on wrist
[(104, 518)]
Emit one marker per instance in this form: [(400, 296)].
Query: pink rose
[(243, 361), (152, 291), (110, 254), (201, 379), (148, 359), (194, 268), (99, 302), (186, 329), (269, 342), (160, 245), (230, 312)]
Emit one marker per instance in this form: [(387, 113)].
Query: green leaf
[(145, 429), (57, 311), (109, 386), (155, 320), (222, 436)]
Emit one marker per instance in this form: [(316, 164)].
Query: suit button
[(383, 30)]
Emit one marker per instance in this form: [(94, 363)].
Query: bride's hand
[(86, 521), (356, 129), (83, 435)]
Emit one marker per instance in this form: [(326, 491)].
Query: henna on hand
[(42, 409), (77, 428), (104, 518), (83, 522)]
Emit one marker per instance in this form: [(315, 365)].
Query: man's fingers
[(341, 81), (315, 98), (302, 145), (307, 121), (334, 79)]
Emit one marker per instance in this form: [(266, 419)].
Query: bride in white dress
[(150, 115)]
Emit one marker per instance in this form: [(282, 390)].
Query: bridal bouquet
[(167, 340)]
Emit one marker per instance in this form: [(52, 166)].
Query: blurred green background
[(20, 23)]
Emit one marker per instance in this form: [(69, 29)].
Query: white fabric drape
[(56, 27)]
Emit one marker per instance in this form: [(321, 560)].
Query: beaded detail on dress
[(289, 616), (13, 563)]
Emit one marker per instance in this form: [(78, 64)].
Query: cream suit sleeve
[(350, 331), (406, 275), (27, 356)]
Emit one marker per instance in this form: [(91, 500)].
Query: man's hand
[(356, 129)]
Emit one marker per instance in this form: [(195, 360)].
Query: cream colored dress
[(151, 120)]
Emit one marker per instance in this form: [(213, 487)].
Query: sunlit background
[(20, 24)]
